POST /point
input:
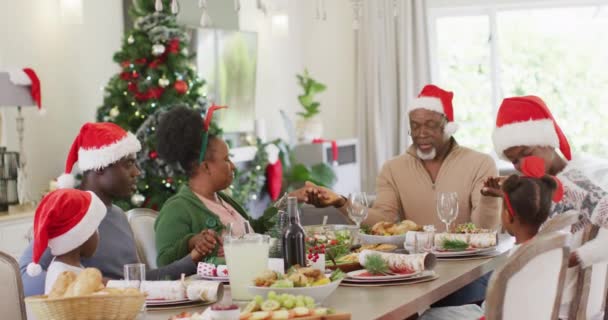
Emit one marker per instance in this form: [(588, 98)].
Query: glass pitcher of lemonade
[(246, 258)]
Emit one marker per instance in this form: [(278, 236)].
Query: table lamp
[(20, 88)]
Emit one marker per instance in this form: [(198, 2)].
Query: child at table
[(66, 221), (526, 206)]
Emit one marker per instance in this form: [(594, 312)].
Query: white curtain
[(392, 66)]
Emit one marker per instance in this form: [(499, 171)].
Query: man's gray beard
[(426, 156)]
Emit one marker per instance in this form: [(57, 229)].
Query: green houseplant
[(309, 126)]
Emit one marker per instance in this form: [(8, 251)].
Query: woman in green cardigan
[(195, 217)]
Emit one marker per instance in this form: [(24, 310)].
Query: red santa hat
[(65, 219), (97, 146), (436, 99), (28, 77), (526, 121)]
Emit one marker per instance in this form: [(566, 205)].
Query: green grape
[(272, 295), (300, 298), (289, 303), (259, 300), (310, 305), (284, 296), (300, 303), (309, 301)]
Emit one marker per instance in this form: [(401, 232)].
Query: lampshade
[(13, 94)]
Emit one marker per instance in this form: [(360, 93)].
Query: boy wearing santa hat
[(66, 221), (526, 128), (105, 153)]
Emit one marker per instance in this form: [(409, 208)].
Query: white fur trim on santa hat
[(526, 133), (33, 269), (429, 103), (82, 231), (92, 159), (18, 77), (66, 181)]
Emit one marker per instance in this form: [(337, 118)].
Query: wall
[(74, 62), (329, 54)]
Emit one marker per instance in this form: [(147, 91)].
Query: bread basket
[(91, 307)]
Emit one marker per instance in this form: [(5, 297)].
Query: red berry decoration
[(181, 86), (153, 155)]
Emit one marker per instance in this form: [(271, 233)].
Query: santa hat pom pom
[(34, 269), (450, 128), (66, 181)]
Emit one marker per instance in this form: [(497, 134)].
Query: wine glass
[(357, 209), (447, 208)]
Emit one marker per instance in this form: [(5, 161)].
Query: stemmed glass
[(447, 208), (357, 209)]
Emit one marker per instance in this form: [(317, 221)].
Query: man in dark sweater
[(111, 173)]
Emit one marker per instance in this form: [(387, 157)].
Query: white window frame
[(452, 8)]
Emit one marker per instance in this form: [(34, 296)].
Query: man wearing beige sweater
[(408, 184)]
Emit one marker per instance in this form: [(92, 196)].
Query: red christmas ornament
[(155, 92), (141, 96), (141, 61), (180, 86), (153, 155), (125, 64), (132, 87), (125, 76), (169, 180), (155, 63), (134, 74), (173, 46)]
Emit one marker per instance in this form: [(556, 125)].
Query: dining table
[(396, 302)]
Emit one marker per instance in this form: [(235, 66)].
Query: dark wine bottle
[(294, 237)]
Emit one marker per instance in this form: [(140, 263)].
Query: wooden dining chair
[(12, 304), (592, 285), (560, 222), (142, 224), (530, 284)]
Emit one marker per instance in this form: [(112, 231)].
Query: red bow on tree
[(173, 46)]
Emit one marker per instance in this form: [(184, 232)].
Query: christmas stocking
[(274, 172)]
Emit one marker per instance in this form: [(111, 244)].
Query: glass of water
[(135, 275), (357, 209)]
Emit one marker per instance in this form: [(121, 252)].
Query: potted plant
[(309, 126)]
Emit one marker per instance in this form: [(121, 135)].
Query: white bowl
[(373, 239), (319, 293)]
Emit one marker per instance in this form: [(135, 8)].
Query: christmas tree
[(156, 75)]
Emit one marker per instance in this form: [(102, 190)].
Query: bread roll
[(62, 283), (86, 283)]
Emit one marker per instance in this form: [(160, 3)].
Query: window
[(560, 53)]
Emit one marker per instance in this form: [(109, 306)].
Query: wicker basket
[(93, 307)]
